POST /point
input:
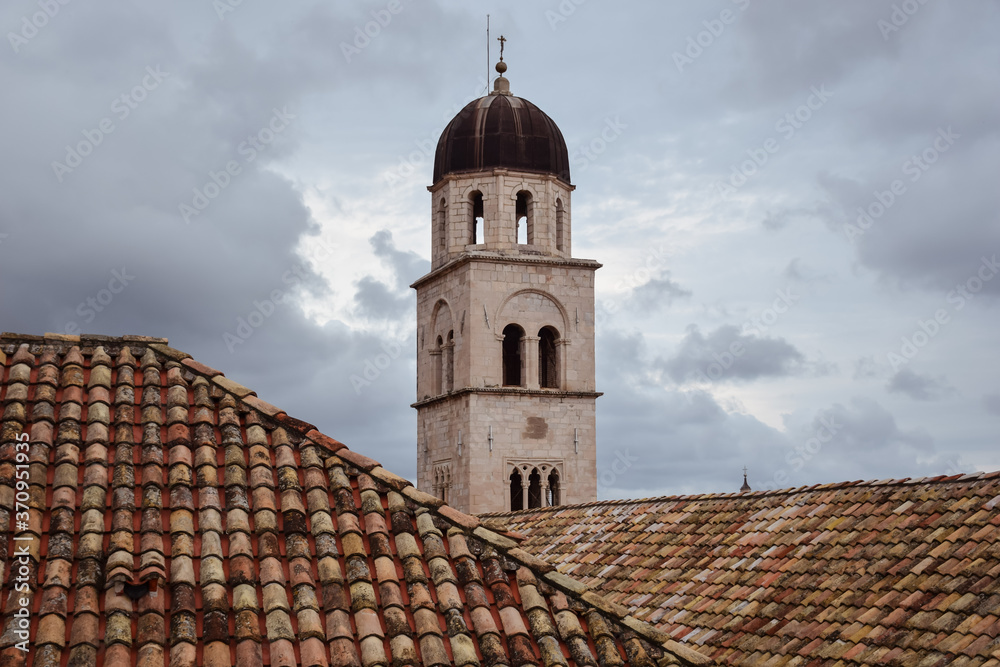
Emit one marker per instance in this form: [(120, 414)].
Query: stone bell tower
[(505, 341)]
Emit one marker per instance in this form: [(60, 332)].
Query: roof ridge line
[(905, 481), (468, 523)]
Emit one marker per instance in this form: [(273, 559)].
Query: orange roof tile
[(895, 571), (168, 516)]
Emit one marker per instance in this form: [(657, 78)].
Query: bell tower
[(505, 343)]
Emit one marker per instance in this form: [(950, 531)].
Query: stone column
[(437, 379), (562, 360), (449, 367), (529, 357)]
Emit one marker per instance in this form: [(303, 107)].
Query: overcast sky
[(796, 206)]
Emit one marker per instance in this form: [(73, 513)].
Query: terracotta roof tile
[(179, 519), (856, 573)]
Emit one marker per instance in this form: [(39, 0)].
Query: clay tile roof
[(161, 514), (900, 572)]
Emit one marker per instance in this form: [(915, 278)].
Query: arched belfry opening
[(512, 339), (560, 226), (477, 221), (548, 359), (525, 221), (441, 230), (516, 491)]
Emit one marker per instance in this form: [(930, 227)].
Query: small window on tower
[(512, 335), (525, 226), (477, 223)]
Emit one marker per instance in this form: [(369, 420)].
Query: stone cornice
[(497, 258), (513, 391)]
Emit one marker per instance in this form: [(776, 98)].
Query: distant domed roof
[(501, 130)]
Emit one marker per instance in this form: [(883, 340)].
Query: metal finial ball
[(501, 67)]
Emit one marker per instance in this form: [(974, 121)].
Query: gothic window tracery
[(534, 484), (442, 480)]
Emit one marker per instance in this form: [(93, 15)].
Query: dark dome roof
[(501, 131)]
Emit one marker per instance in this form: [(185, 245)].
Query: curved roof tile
[(161, 513)]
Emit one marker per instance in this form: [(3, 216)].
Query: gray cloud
[(656, 294), (375, 300), (405, 264), (867, 368), (919, 387), (856, 440), (323, 176), (991, 402), (727, 353)]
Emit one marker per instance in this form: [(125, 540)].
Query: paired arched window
[(476, 221), (523, 214), (548, 359), (560, 226), (512, 335)]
